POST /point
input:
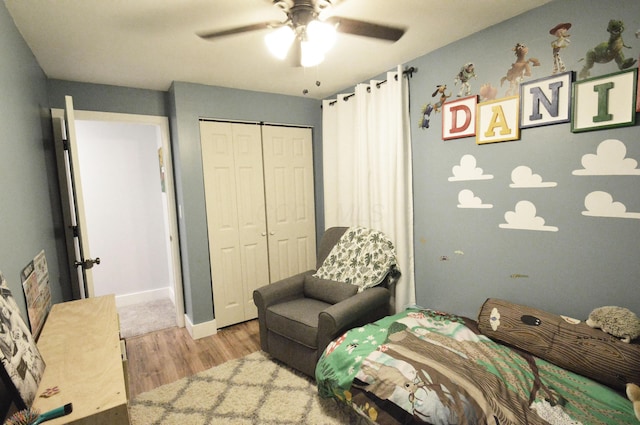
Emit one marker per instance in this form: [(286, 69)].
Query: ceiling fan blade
[(237, 30), (366, 29)]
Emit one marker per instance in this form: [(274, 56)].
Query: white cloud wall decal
[(609, 159), (601, 204), (467, 199), (524, 218), (523, 177), (467, 170)]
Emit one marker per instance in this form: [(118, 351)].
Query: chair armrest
[(282, 290), (365, 307), (268, 295)]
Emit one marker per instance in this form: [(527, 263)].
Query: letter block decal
[(605, 102), (546, 101), (497, 120), (459, 118)]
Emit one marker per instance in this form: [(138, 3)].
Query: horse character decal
[(519, 69)]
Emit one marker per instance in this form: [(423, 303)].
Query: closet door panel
[(252, 224), (290, 206), (222, 221)]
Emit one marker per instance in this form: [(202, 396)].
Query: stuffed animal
[(633, 392), (617, 321)]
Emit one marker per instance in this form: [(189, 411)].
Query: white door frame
[(163, 124)]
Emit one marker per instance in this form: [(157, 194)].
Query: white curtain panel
[(367, 167)]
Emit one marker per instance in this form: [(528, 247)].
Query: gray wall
[(103, 98), (185, 104), (190, 102), (589, 261), (30, 213)]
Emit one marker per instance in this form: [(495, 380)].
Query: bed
[(425, 366)]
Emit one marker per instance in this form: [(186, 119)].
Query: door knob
[(88, 263)]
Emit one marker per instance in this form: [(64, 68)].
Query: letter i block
[(604, 102)]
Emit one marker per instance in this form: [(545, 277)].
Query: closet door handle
[(272, 233), (263, 234)]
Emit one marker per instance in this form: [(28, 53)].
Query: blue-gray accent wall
[(30, 211), (191, 102), (105, 98), (462, 255), (185, 104)]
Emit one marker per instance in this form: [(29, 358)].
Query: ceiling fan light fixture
[(309, 31), (279, 41), (311, 53), (322, 34)]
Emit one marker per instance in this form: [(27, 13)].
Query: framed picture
[(604, 102), (459, 118), (497, 120), (546, 101), (37, 293), (22, 364)]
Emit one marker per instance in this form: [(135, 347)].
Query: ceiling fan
[(308, 32)]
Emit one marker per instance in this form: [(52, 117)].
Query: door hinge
[(65, 144), (75, 231)]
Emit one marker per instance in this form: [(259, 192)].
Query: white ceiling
[(150, 43)]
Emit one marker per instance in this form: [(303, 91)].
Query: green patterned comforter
[(423, 366)]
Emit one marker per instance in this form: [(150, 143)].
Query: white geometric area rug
[(253, 390)]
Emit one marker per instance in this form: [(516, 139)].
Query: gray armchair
[(299, 316)]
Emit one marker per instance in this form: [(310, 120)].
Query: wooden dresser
[(81, 346)]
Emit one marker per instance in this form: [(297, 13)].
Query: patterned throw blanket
[(361, 257)]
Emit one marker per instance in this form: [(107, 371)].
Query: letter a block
[(497, 120)]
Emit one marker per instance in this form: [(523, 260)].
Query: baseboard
[(200, 330), (143, 296)]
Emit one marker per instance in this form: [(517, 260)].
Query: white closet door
[(288, 172), (252, 223), (234, 194)]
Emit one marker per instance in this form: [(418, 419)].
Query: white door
[(130, 126), (234, 196), (288, 171), (67, 158)]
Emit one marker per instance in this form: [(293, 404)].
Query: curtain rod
[(409, 71)]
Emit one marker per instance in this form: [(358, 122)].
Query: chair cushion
[(329, 291), (296, 320)]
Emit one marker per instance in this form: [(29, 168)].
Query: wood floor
[(167, 355)]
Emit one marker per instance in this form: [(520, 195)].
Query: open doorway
[(125, 164)]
